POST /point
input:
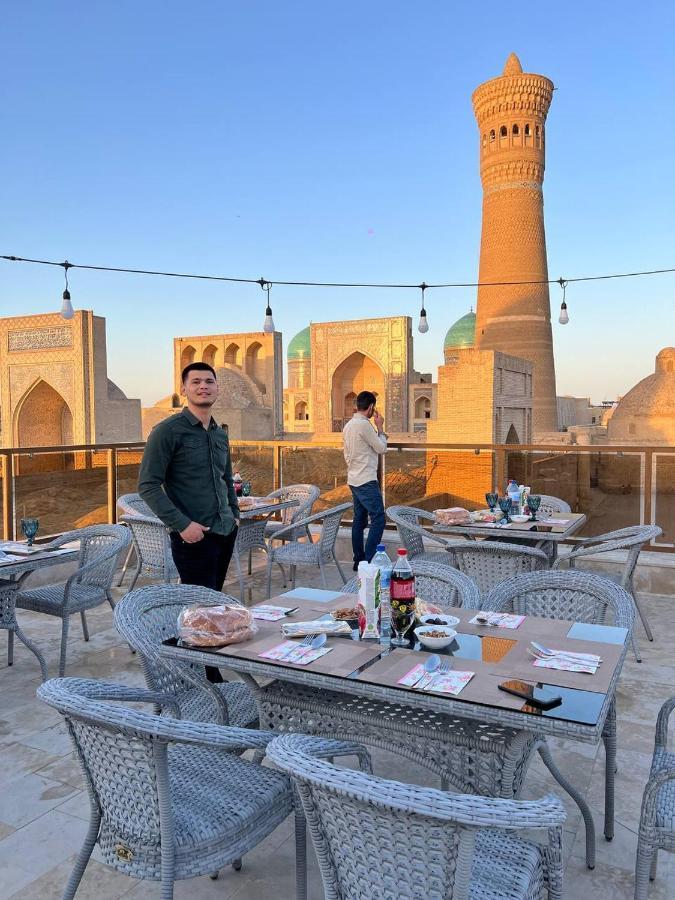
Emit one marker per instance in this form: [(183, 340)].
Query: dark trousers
[(367, 505), (204, 562)]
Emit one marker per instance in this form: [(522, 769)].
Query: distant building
[(54, 385), (575, 411), (646, 414)]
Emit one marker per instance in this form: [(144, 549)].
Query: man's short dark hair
[(365, 399), (196, 367)]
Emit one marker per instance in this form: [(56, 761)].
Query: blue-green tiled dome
[(300, 346), (462, 333)]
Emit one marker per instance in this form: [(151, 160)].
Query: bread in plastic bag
[(216, 625)]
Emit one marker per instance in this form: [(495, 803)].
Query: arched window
[(350, 405), (255, 365), (527, 130), (187, 356), (301, 411), (503, 131), (209, 355), (515, 130), (422, 408), (175, 401), (233, 355), (492, 135), (537, 130)]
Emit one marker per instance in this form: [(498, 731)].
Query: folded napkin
[(294, 653), (317, 626), (498, 620), (270, 613), (447, 683), (571, 662)]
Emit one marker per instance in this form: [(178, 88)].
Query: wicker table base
[(8, 592)]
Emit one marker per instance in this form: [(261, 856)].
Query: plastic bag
[(215, 626)]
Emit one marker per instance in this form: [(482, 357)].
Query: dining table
[(255, 513), (558, 528), (17, 562), (355, 691)]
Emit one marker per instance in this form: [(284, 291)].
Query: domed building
[(646, 414), (460, 335), (298, 394)]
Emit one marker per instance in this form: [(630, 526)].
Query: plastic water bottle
[(382, 561), (513, 493)]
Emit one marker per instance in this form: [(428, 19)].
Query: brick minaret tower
[(511, 112)]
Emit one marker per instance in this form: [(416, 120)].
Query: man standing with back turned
[(186, 480), (362, 448)]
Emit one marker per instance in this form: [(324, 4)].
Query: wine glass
[(505, 506), (246, 489), (533, 502), (402, 617), (30, 527), (492, 499)]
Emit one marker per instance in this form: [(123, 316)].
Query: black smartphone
[(536, 696)]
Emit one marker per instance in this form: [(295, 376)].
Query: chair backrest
[(550, 506), (441, 585), (133, 505), (489, 562), (100, 548), (379, 838), (330, 526), (148, 616), (305, 494), (151, 539), (119, 759), (411, 533), (632, 539), (570, 595)]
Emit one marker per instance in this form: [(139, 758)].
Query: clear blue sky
[(328, 141)]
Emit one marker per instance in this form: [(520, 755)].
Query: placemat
[(519, 664)]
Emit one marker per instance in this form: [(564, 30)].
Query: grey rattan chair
[(377, 838), (306, 495), (439, 584), (131, 505), (296, 553), (489, 562), (657, 818), (413, 534), (551, 506), (149, 616), (631, 539), (88, 587), (153, 549)]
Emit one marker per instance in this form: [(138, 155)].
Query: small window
[(515, 130), (492, 135), (537, 130), (527, 130), (503, 131), (484, 139)]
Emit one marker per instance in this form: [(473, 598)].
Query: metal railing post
[(500, 469), (647, 488), (8, 532), (111, 476), (276, 462)]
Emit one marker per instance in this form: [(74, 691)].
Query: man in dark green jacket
[(186, 480)]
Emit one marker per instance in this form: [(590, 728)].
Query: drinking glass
[(505, 506), (492, 499), (30, 527), (246, 489), (402, 617), (534, 502)]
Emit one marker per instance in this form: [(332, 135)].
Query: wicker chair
[(657, 818), (306, 495), (131, 505), (631, 539), (439, 584), (489, 562), (171, 799), (377, 838), (300, 553), (153, 549), (549, 506), (146, 618), (88, 587), (413, 534)]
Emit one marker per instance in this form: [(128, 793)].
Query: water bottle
[(382, 561), (513, 493)]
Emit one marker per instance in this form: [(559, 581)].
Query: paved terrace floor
[(44, 809)]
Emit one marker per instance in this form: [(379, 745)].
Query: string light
[(268, 326), (67, 311), (563, 318), (423, 326)]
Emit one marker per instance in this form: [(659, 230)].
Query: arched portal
[(255, 365), (210, 356), (233, 355), (422, 408), (43, 419), (355, 374), (301, 411), (187, 356)]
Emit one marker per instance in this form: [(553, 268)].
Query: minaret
[(511, 112)]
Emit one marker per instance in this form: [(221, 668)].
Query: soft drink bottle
[(402, 594)]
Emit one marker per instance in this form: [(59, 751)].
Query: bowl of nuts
[(439, 619), (435, 637)]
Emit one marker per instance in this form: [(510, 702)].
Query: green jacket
[(186, 474)]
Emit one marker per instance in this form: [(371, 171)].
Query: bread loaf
[(455, 515), (215, 626)]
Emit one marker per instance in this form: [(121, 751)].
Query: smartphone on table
[(543, 698)]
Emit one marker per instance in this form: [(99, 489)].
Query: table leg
[(569, 788), (33, 649), (609, 739)]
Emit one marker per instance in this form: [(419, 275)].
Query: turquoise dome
[(462, 333), (300, 347)]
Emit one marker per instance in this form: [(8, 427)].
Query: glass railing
[(69, 487)]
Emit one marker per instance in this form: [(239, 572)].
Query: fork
[(307, 642), (546, 653)]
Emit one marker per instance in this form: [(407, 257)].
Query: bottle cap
[(402, 552), (381, 548)]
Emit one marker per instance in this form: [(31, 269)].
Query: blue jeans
[(367, 503)]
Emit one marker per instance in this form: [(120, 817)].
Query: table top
[(268, 508), (41, 558), (493, 654), (544, 529)]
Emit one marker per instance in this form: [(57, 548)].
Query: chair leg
[(10, 647), (283, 573), (609, 740), (134, 577), (269, 576), (126, 565), (240, 575), (250, 561), (83, 857), (643, 617), (634, 645), (294, 569), (300, 851), (64, 642), (569, 788), (339, 568), (85, 630), (655, 861), (323, 574), (643, 866)]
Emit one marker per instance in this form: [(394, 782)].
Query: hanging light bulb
[(67, 311), (563, 318), (423, 325), (268, 326)]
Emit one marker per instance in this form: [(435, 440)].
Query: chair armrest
[(661, 735), (143, 520), (105, 690), (654, 784), (324, 748), (308, 520)]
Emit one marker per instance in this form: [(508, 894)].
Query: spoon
[(318, 641)]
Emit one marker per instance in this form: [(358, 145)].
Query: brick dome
[(300, 346), (647, 411)]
